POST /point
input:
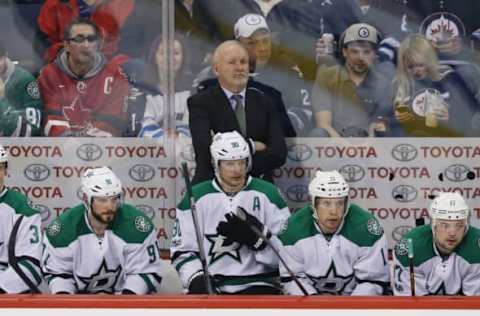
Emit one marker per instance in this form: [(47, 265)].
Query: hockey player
[(332, 246), (238, 260), (20, 102), (446, 257), (102, 245), (28, 250)]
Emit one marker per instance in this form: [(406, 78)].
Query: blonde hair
[(414, 47)]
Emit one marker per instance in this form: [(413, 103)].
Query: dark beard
[(100, 219)]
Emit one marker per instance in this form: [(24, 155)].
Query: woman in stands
[(154, 118), (431, 100)]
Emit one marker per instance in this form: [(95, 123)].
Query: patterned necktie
[(240, 113)]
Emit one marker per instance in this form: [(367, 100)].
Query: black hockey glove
[(197, 285), (2, 291), (242, 229)]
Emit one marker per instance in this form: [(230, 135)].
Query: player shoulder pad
[(199, 190), (422, 240), (361, 227), (20, 203), (67, 227), (469, 249), (132, 225), (299, 226), (269, 189)]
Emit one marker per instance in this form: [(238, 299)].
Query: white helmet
[(229, 146), (449, 206), (100, 182), (328, 184), (3, 154)]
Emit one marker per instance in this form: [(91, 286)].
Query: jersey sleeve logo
[(142, 225), (401, 249), (33, 90), (55, 228), (374, 227)]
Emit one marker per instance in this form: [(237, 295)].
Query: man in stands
[(84, 94)]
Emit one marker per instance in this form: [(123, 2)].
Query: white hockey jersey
[(457, 274), (75, 260), (234, 267), (352, 262), (28, 250)]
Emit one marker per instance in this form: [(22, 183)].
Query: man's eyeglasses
[(79, 39)]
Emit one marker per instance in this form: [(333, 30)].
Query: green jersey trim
[(268, 189)]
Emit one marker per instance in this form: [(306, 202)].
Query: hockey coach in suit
[(232, 106)]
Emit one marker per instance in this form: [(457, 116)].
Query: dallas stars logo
[(103, 281), (331, 282), (219, 248)]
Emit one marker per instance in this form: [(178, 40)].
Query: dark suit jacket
[(211, 111), (274, 95)]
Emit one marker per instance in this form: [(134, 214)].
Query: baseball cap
[(360, 32), (249, 24)]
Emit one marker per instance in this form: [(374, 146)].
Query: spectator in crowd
[(16, 272), (83, 93), (352, 99), (432, 99), (155, 109), (102, 245), (20, 102), (332, 246), (239, 261), (253, 32), (109, 15), (450, 25), (232, 106), (445, 253)]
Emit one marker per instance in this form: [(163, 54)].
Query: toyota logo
[(147, 210), (457, 173), (37, 172), (297, 193), (89, 152), (43, 210), (399, 231), (352, 173), (404, 193), (299, 152), (142, 173), (188, 153), (404, 152)]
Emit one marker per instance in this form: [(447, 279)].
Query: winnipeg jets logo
[(76, 113), (219, 248), (103, 281), (331, 282)]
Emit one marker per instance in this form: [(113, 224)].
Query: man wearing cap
[(446, 253), (283, 74), (232, 106), (20, 102), (348, 98)]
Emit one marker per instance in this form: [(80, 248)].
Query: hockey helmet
[(229, 146), (449, 206), (100, 182), (328, 184)]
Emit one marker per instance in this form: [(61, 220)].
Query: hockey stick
[(12, 259), (241, 213), (201, 251), (410, 263)]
